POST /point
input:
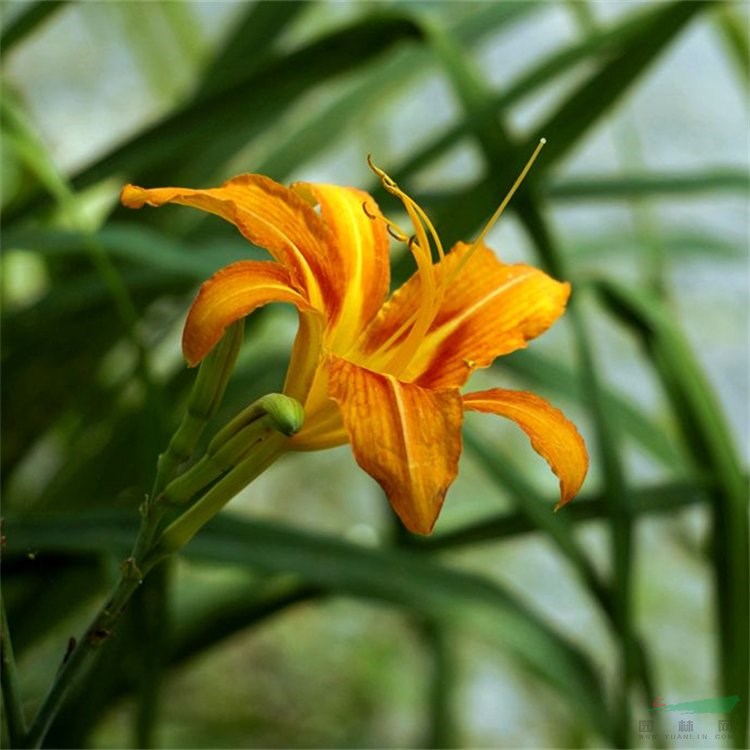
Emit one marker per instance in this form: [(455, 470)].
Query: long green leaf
[(250, 44), (605, 188), (577, 115), (587, 103), (539, 371), (709, 439), (27, 21), (734, 31), (137, 244), (213, 128), (400, 578), (649, 34)]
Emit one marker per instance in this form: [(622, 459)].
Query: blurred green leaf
[(547, 374), (608, 188), (33, 15), (212, 128), (384, 81), (661, 498), (137, 244), (400, 578), (735, 34), (580, 111), (250, 44), (628, 56), (708, 437)]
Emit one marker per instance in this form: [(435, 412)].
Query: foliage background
[(304, 617)]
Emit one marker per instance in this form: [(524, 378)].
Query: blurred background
[(304, 616)]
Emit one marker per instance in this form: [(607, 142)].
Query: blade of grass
[(462, 600), (27, 22), (734, 33), (649, 34), (136, 244), (659, 499), (708, 438), (152, 624), (542, 372), (384, 80), (29, 146), (599, 47), (249, 45), (728, 180), (229, 610), (442, 727), (498, 153), (96, 531), (400, 578), (556, 526), (580, 111), (212, 128)]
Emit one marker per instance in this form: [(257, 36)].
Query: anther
[(396, 235), (367, 213), (388, 183)]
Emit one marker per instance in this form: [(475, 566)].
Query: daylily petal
[(269, 215), (230, 294), (553, 436), (406, 437), (361, 255), (490, 308)]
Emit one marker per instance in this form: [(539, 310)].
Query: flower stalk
[(239, 452), (234, 443), (204, 401), (268, 447)]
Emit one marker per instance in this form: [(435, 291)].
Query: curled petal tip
[(133, 196)]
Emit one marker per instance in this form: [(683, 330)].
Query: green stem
[(78, 661), (442, 729), (11, 694), (205, 399), (233, 444), (133, 570), (268, 447), (266, 438), (152, 625)]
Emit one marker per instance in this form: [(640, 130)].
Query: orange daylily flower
[(377, 370)]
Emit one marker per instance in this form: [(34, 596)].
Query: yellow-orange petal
[(269, 215), (489, 309), (553, 436), (406, 437), (360, 256), (230, 294)]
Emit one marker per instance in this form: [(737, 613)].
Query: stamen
[(498, 212), (367, 213), (503, 205), (431, 294), (433, 290)]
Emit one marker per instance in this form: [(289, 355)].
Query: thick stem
[(84, 653), (149, 549), (269, 446), (205, 398)]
